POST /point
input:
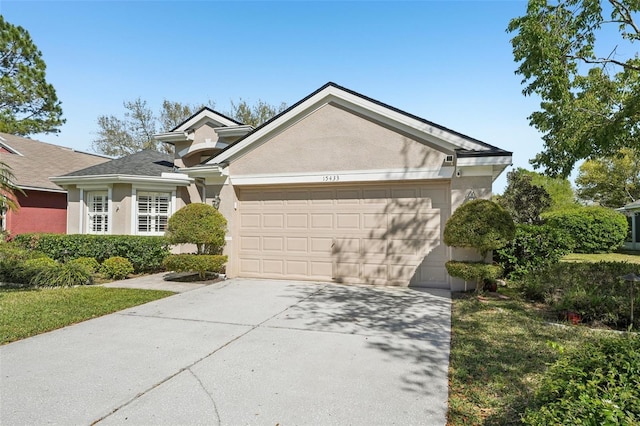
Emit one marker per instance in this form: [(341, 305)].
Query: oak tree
[(588, 83)]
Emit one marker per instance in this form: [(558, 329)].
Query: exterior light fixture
[(216, 202), (471, 195), (632, 279)]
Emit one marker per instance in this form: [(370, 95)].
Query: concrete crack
[(213, 402)]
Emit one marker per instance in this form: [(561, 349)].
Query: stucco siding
[(332, 139)]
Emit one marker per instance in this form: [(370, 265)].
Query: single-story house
[(338, 187), (42, 203)]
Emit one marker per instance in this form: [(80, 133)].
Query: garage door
[(367, 234)]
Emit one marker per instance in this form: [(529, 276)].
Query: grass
[(499, 350), (27, 312), (631, 257)]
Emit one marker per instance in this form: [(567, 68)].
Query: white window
[(154, 209), (98, 211)]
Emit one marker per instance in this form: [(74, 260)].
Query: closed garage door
[(371, 234)]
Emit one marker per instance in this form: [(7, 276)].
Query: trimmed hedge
[(596, 384), (534, 247), (473, 271), (594, 290), (200, 263), (594, 229), (12, 259), (146, 253)]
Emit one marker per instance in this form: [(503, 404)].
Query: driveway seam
[(185, 319), (188, 367)]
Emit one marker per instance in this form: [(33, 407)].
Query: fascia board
[(202, 171), (35, 188), (172, 137), (489, 160), (205, 116), (10, 149), (110, 179), (233, 131)]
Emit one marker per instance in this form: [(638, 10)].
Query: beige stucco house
[(339, 187)]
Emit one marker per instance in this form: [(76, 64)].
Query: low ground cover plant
[(593, 290), (597, 383)]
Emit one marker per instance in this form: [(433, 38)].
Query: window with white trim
[(98, 212), (154, 209)]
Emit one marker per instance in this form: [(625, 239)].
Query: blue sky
[(446, 61)]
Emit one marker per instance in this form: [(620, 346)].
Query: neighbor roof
[(32, 162), (142, 163)]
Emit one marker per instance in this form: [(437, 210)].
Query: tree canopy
[(134, 131), (611, 182), (199, 224), (524, 200), (28, 104), (589, 84)]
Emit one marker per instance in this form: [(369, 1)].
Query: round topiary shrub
[(116, 267), (479, 224), (199, 224), (594, 229)]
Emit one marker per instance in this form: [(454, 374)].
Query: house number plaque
[(330, 178)]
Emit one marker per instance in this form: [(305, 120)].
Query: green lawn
[(27, 312), (631, 257), (499, 350)]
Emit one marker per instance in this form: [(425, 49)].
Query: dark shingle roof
[(143, 163)]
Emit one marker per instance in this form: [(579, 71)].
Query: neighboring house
[(632, 211), (43, 204), (339, 187)]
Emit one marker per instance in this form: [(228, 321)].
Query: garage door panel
[(297, 220), (377, 234), (348, 221), (273, 244)]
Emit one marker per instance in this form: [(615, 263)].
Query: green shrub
[(473, 271), (89, 263), (145, 252), (479, 224), (597, 384), (62, 275), (200, 263), (594, 290), (12, 258), (534, 247), (199, 224), (594, 229), (116, 267)]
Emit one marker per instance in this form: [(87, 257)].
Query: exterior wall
[(332, 139), (121, 209), (73, 210), (40, 211)]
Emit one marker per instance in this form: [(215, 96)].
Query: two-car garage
[(368, 233)]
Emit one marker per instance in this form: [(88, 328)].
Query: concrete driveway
[(242, 351)]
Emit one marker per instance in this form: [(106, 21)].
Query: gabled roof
[(143, 163), (448, 139), (206, 113), (32, 162)]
